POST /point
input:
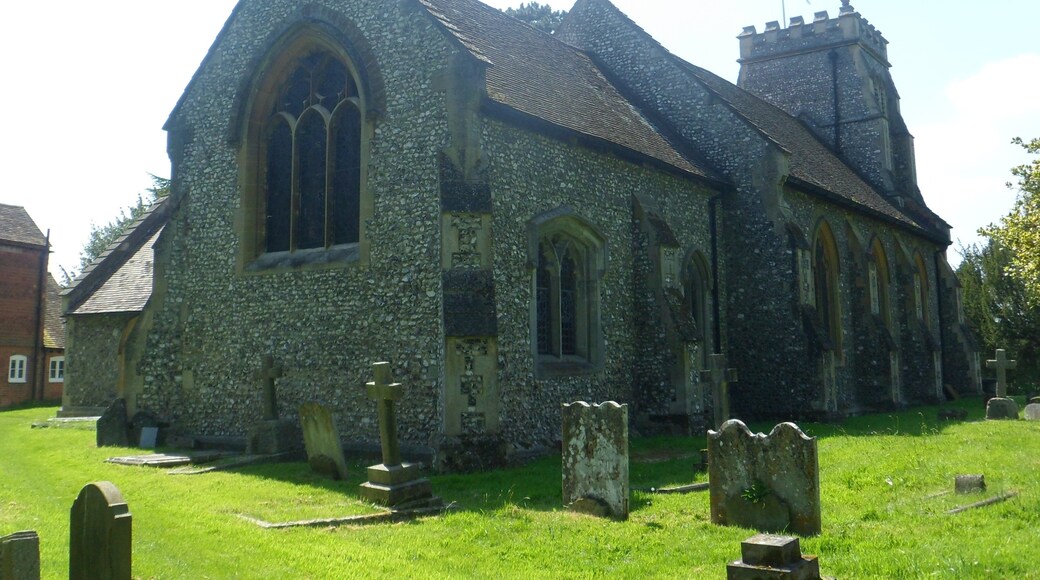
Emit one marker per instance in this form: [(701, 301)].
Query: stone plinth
[(595, 458), (272, 437), (321, 438), (766, 557), (394, 485), (999, 408), (769, 483), (20, 556)]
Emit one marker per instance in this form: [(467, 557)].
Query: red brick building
[(32, 337)]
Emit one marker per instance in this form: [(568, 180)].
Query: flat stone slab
[(230, 462), (390, 516), (169, 459), (67, 423)]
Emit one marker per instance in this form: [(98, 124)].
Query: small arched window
[(920, 289), (825, 281), (569, 261), (879, 283), (697, 287)]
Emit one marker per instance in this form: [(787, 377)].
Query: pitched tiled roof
[(537, 74), (128, 288), (53, 327), (120, 279), (16, 226), (811, 161)]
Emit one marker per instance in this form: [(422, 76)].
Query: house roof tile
[(16, 226)]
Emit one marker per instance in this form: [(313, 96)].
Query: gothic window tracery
[(825, 282)]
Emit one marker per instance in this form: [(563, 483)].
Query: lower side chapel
[(517, 220)]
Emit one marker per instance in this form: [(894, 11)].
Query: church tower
[(833, 74)]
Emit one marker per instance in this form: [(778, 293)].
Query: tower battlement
[(849, 27)]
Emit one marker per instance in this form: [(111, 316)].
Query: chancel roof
[(16, 226), (537, 74)]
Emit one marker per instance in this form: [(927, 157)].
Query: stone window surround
[(564, 225), (824, 238), (280, 62), (697, 285), (57, 370), (16, 368), (920, 289), (880, 293)]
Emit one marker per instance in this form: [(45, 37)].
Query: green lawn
[(880, 476)]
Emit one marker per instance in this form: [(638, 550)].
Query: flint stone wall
[(92, 359), (595, 455), (768, 482)]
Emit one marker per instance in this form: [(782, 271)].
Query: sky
[(87, 87)]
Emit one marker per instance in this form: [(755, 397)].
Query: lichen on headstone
[(595, 458)]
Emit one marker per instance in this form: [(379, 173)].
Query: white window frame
[(57, 364), (16, 368)]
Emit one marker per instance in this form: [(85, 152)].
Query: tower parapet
[(824, 32)]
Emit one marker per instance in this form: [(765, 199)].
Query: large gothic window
[(312, 170), (568, 259), (825, 281)]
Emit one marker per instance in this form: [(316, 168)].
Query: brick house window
[(57, 370), (16, 369)]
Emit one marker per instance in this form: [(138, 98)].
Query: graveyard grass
[(882, 479)]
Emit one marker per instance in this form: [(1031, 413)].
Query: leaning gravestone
[(1001, 407), (100, 534), (113, 429), (769, 483), (595, 458), (20, 556), (773, 557), (321, 438), (1032, 412)]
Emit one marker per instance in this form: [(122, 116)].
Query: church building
[(517, 220)]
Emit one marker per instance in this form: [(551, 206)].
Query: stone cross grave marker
[(719, 377), (392, 483), (321, 438), (769, 483), (1001, 407), (20, 556), (100, 534), (595, 459), (269, 372), (1002, 365)]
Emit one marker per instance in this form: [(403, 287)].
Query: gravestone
[(113, 430), (100, 534), (773, 557), (1032, 412), (20, 556), (595, 459), (149, 437), (969, 483), (1001, 407), (321, 439), (143, 420), (271, 435), (392, 483), (719, 377), (769, 483)]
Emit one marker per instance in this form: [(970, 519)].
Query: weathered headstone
[(271, 435), (20, 556), (769, 483), (321, 438), (146, 420), (1001, 407), (969, 483), (773, 557), (719, 377), (149, 437), (595, 458), (100, 534), (392, 483), (1032, 412), (113, 429)]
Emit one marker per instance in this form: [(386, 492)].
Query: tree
[(1019, 231), (540, 16), (102, 236)]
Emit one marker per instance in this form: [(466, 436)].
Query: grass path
[(880, 476)]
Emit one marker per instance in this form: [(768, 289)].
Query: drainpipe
[(41, 297)]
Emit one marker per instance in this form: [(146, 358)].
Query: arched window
[(305, 145), (920, 289), (697, 285), (825, 281), (568, 263), (879, 283)]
